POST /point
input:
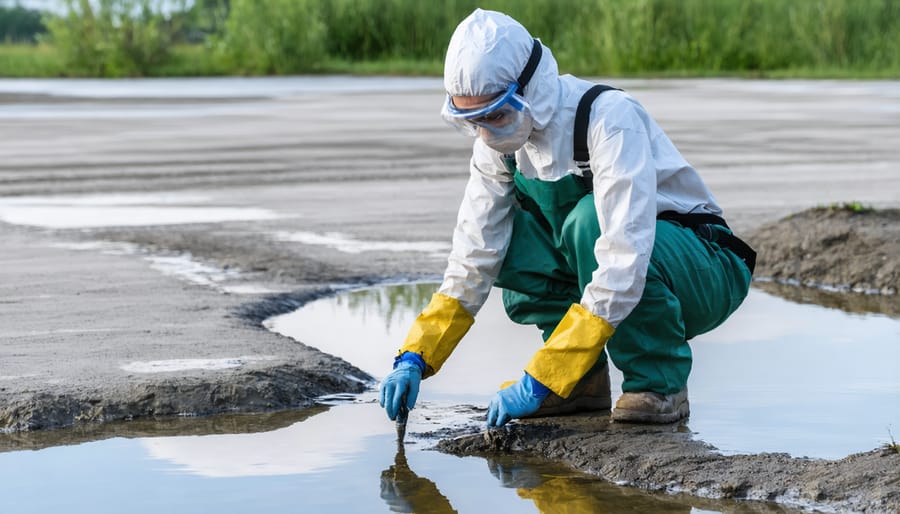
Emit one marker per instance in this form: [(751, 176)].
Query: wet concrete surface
[(82, 331), (373, 164)]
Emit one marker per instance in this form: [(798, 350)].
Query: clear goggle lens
[(501, 117)]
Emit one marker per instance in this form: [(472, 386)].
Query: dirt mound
[(666, 458), (847, 248)]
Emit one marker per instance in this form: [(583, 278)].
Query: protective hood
[(488, 51)]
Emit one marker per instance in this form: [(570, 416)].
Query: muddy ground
[(666, 458), (844, 248), (326, 160)]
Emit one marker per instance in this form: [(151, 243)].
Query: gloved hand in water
[(402, 382), (518, 400)]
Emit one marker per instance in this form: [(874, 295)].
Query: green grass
[(191, 61), (44, 61), (21, 61), (852, 207), (892, 446), (841, 39)]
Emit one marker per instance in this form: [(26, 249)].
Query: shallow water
[(776, 377), (341, 459), (122, 210)]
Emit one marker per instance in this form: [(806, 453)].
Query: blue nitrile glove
[(518, 400), (403, 381)]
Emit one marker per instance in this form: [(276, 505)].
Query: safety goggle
[(501, 116)]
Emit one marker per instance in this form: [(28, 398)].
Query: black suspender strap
[(530, 67), (582, 122), (692, 220), (580, 136)]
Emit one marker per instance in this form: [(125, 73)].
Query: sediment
[(666, 458), (840, 248)]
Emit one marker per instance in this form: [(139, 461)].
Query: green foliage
[(681, 38), (623, 37), (206, 18), (855, 207), (191, 60), (113, 38), (627, 37), (20, 25), (20, 61), (273, 36), (390, 303)]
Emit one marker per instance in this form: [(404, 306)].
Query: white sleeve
[(483, 231), (625, 198)]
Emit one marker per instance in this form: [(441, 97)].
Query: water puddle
[(343, 243), (337, 459), (777, 377), (67, 212)]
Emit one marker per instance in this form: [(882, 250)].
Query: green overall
[(692, 284)]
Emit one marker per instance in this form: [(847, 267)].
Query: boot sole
[(639, 416)]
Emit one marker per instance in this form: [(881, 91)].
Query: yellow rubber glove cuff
[(572, 349), (437, 330)]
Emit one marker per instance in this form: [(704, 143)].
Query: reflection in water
[(847, 302), (388, 302), (777, 377), (239, 423), (552, 489), (405, 491), (325, 441), (342, 459)]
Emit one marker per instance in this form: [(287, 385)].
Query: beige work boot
[(648, 407), (591, 393)]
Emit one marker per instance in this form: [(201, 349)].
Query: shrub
[(273, 36), (112, 38)]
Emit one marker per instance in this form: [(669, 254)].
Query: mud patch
[(845, 248), (665, 458), (251, 390)]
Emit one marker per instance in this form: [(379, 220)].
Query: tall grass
[(274, 36), (22, 61), (113, 38), (844, 38), (616, 37)]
